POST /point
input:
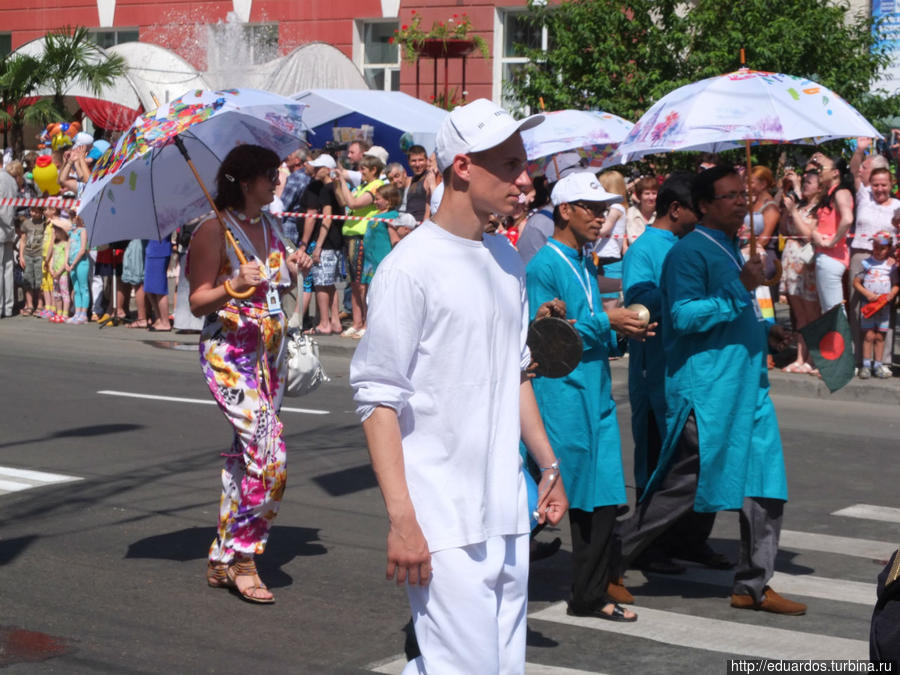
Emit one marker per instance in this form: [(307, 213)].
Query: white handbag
[(304, 370), (807, 253)]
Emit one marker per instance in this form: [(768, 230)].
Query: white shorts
[(471, 616)]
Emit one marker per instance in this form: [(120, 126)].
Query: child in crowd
[(31, 257), (380, 236), (77, 267), (879, 277), (57, 262), (46, 278)]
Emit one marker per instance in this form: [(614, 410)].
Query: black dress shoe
[(661, 565), (544, 549), (706, 556)]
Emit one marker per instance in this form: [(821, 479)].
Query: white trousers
[(471, 616)]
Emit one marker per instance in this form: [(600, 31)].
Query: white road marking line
[(859, 548), (887, 514), (395, 666), (729, 637), (201, 401), (25, 479), (809, 586), (39, 476)]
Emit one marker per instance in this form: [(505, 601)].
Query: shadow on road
[(192, 543), (78, 432), (10, 549)]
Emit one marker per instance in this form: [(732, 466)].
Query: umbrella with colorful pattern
[(142, 188)]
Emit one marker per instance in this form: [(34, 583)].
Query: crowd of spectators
[(831, 224)]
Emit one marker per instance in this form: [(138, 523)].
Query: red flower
[(404, 27), (390, 40), (414, 11), (456, 16)]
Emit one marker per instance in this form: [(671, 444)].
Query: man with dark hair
[(292, 194), (643, 263), (722, 449), (417, 194), (578, 410)]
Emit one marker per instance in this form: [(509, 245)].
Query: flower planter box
[(450, 48)]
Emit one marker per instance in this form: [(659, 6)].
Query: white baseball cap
[(479, 125), (378, 152), (582, 186), (82, 138), (325, 160)]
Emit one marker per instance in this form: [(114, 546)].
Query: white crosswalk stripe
[(395, 666), (740, 638), (886, 514), (16, 480), (717, 635)]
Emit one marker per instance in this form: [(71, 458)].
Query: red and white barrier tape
[(59, 202)]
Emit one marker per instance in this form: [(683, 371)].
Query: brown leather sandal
[(247, 568), (217, 575)]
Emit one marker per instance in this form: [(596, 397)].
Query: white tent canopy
[(313, 65), (391, 108), (122, 91), (157, 71)]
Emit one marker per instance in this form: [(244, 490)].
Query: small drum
[(555, 345)]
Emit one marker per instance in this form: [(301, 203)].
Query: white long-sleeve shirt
[(445, 347)]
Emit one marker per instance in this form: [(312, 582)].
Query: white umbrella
[(593, 134)]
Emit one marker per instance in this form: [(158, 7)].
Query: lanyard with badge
[(733, 259), (585, 284), (273, 297)]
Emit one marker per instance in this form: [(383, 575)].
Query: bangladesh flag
[(830, 346)]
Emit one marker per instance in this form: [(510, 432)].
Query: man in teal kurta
[(643, 263), (578, 411), (722, 449)]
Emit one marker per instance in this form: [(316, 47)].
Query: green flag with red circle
[(831, 347)]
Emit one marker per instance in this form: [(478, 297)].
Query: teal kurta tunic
[(716, 366), (643, 265), (578, 411)]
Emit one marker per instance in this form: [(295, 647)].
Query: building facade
[(204, 31)]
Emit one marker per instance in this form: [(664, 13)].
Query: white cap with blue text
[(476, 126), (581, 186)]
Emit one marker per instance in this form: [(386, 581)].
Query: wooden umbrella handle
[(242, 295)]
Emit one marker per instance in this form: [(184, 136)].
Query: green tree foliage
[(19, 80), (622, 56), (70, 56), (604, 54)]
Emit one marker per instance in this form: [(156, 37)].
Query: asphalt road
[(102, 563)]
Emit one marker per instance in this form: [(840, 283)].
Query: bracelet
[(554, 466)]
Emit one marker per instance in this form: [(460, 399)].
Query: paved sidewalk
[(873, 390)]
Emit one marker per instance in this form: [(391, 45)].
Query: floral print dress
[(242, 349)]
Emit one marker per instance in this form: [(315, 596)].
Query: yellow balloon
[(46, 175)]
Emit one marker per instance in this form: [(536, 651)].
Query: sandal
[(350, 332), (217, 575), (27, 311), (314, 332), (246, 568), (139, 323), (793, 368)]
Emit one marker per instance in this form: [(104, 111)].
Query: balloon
[(46, 175)]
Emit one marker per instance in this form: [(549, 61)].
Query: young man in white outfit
[(441, 386)]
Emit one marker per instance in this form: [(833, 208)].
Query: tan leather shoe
[(618, 593), (772, 602)]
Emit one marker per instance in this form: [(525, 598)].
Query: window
[(232, 44), (5, 44), (378, 59), (113, 36), (511, 34)]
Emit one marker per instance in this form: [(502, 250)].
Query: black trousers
[(595, 554), (690, 532)]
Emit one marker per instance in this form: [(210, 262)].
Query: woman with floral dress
[(242, 350)]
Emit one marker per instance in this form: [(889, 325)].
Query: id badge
[(756, 308), (273, 301)]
